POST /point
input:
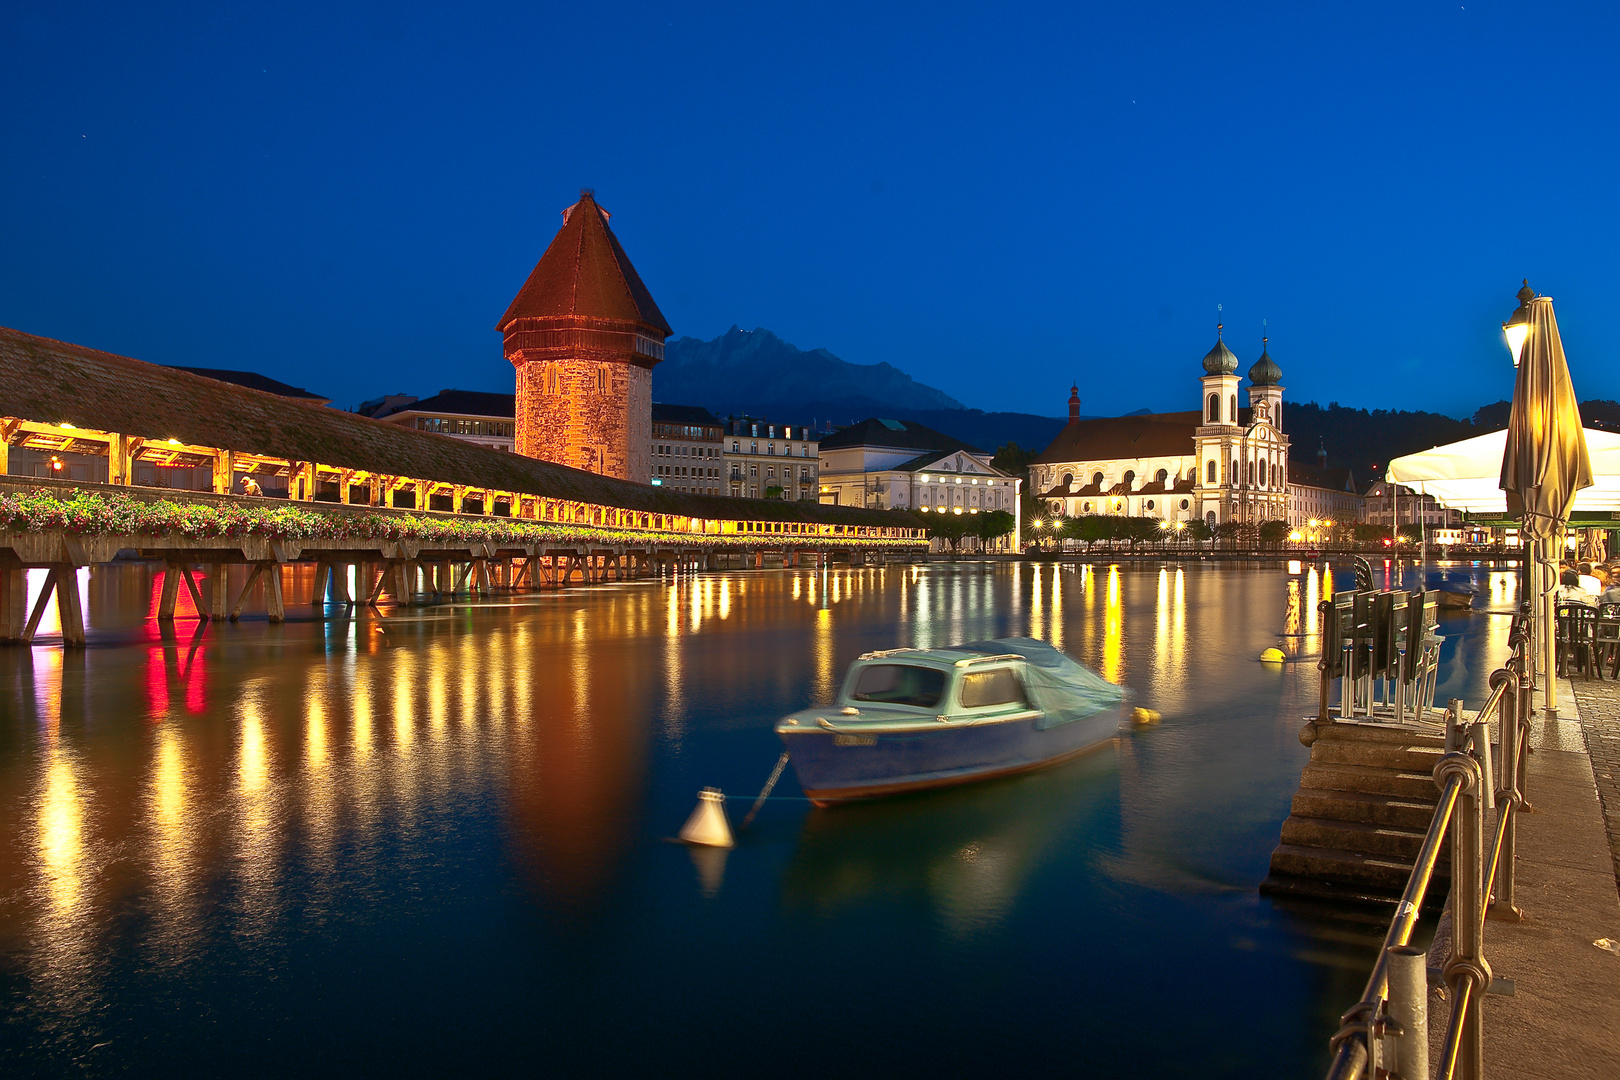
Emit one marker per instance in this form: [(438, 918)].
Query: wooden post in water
[(219, 592), (272, 593), (171, 592), (69, 610), (13, 603)]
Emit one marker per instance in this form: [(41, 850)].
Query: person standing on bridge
[(250, 486)]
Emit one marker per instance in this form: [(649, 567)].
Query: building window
[(734, 445), (1184, 504), (1161, 476), (1211, 472), (1214, 408), (1234, 413), (1130, 478)]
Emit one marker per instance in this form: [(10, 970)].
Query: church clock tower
[(584, 334), (1218, 437)]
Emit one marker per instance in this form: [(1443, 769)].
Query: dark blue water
[(437, 841)]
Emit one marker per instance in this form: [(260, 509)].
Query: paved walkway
[(1562, 1018), (1598, 703)]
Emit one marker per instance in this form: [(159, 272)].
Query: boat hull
[(849, 764)]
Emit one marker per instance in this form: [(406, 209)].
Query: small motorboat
[(908, 719)]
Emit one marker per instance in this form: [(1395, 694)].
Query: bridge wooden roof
[(53, 382)]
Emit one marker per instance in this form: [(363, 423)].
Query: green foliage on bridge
[(89, 514)]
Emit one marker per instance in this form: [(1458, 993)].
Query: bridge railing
[(1386, 1032)]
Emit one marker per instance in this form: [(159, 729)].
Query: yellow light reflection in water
[(257, 828), (725, 598), (60, 837), (1035, 603), (1055, 619), (1113, 659), (315, 735), (826, 684), (173, 841)]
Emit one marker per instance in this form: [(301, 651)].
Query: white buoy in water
[(708, 824)]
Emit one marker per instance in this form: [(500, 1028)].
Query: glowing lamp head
[(1517, 328), (56, 464)]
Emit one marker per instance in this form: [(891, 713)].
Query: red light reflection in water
[(173, 665)]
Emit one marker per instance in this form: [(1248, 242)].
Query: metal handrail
[(1460, 777)]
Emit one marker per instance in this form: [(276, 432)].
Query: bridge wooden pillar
[(224, 472), (219, 592), (13, 603), (69, 610), (272, 593), (171, 592), (317, 595)]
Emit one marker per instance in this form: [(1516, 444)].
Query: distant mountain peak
[(755, 371)]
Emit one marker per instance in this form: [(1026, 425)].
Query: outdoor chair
[(1608, 638), (1577, 641)]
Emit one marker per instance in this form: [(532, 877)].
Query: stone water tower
[(584, 334)]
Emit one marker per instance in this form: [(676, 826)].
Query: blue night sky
[(997, 202)]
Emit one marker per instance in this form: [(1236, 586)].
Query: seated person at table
[(1589, 579), (1570, 591), (1611, 595)]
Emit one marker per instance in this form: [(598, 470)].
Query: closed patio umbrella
[(1545, 460)]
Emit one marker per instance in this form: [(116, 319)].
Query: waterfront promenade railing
[(1386, 1032)]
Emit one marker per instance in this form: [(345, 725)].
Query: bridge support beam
[(13, 603)]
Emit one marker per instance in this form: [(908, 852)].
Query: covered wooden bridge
[(101, 454)]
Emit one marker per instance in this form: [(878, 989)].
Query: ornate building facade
[(584, 334), (1221, 463)]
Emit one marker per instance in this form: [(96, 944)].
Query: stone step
[(1366, 807), (1392, 841), (1375, 873), (1401, 734), (1367, 778), (1325, 899), (1403, 757)]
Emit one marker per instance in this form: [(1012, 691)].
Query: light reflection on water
[(350, 818)]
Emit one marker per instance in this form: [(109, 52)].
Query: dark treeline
[(1364, 440)]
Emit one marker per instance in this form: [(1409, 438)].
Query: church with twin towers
[(1227, 461)]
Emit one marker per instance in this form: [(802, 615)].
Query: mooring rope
[(776, 774)]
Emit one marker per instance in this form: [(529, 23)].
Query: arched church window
[(1130, 478), (1236, 475), (1068, 481), (1161, 476), (1211, 519), (1097, 479), (1234, 412), (1211, 479), (1251, 474), (1214, 409), (1262, 472)]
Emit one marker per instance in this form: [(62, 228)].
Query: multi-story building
[(473, 416), (1318, 494), (770, 461), (902, 465), (1221, 463), (1396, 505), (686, 449)]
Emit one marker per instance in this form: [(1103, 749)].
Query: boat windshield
[(901, 684)]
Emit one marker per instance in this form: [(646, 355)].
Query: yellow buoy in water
[(1272, 656), (708, 824), (1144, 717)]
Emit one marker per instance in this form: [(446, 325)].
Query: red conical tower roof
[(585, 274)]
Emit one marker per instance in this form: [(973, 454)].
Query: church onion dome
[(1219, 360), (1265, 371)]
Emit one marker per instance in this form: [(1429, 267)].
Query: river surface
[(438, 840)]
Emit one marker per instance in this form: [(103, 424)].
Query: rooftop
[(253, 381), (585, 274)]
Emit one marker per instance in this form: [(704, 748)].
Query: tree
[(1091, 528), (1370, 534), (992, 525), (1274, 532), (950, 528), (1413, 531), (1198, 529), (1138, 529)]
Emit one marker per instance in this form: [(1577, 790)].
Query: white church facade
[(1221, 463)]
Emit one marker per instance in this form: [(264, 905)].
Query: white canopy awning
[(1465, 475)]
